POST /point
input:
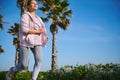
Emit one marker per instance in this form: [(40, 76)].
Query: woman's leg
[(24, 60), (37, 52)]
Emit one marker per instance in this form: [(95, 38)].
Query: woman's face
[(33, 5)]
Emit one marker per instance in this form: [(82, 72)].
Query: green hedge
[(81, 72)]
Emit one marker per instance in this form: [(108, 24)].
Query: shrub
[(81, 72)]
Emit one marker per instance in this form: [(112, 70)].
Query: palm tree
[(1, 27), (14, 30), (58, 13)]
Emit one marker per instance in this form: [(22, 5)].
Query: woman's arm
[(31, 31)]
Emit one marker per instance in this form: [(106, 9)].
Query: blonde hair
[(25, 7)]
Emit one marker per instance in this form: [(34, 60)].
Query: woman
[(33, 36)]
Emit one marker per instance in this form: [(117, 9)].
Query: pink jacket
[(30, 40)]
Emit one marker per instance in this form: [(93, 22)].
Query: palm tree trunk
[(17, 57), (54, 52)]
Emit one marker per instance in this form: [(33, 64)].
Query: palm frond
[(44, 19), (68, 13), (65, 4), (1, 22), (1, 49), (14, 30)]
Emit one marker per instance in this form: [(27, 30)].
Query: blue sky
[(92, 37)]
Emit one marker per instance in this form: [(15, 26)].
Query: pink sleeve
[(43, 25), (24, 23)]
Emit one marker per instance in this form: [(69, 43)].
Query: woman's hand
[(41, 30)]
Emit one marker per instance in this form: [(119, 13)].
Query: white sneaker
[(10, 74)]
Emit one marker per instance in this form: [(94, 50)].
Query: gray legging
[(24, 59)]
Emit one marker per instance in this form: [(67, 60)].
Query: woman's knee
[(38, 62), (24, 66)]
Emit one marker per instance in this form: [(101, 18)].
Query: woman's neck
[(33, 13)]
